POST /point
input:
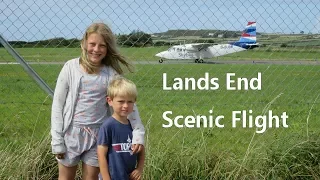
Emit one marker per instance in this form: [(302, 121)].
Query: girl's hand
[(136, 148), (60, 156)]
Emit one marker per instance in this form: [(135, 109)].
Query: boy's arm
[(141, 159), (137, 126), (102, 151), (137, 173)]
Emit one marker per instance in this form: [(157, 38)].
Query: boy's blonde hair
[(113, 56), (120, 86)]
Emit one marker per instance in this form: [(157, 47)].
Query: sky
[(32, 20)]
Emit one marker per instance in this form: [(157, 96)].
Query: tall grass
[(301, 161), (184, 160), (29, 161)]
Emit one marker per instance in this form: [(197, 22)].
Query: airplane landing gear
[(160, 60), (198, 61)]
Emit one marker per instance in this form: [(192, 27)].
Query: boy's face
[(122, 105)]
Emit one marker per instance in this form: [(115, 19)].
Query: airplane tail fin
[(248, 39), (249, 34)]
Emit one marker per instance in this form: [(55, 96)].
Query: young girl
[(79, 105)]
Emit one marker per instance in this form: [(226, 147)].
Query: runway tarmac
[(286, 62)]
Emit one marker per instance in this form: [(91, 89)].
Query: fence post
[(26, 66)]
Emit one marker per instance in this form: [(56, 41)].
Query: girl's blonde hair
[(113, 56)]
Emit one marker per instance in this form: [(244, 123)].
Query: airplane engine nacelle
[(189, 48)]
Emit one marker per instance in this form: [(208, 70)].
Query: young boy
[(116, 160)]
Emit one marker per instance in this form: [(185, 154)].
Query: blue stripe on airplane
[(245, 45)]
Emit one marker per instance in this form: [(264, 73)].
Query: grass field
[(216, 152)]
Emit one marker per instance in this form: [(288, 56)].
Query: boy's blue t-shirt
[(118, 138)]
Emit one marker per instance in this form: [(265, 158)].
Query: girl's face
[(96, 48)]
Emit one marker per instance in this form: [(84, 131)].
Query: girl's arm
[(137, 126), (59, 99)]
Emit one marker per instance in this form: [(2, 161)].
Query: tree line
[(134, 39)]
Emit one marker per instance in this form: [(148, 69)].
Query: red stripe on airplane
[(245, 35), (249, 23)]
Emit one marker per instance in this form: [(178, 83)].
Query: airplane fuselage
[(187, 52)]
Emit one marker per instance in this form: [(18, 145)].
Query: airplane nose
[(158, 55)]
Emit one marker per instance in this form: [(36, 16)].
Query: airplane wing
[(202, 46)]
